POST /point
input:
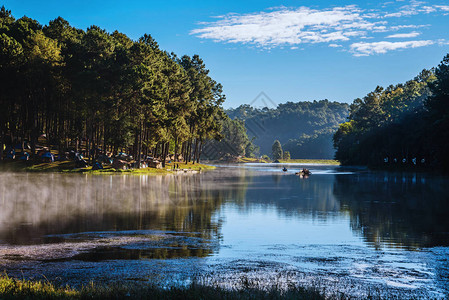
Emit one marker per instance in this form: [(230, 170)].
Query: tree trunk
[(186, 159), (200, 150), (162, 153), (190, 150), (176, 150), (195, 154), (139, 146), (165, 153), (2, 143), (183, 147), (88, 150)]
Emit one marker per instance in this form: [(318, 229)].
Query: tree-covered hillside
[(406, 125), (304, 129)]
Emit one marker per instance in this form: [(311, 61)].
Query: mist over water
[(350, 230), (35, 206)]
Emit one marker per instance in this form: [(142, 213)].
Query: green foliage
[(234, 141), (266, 157), (295, 125), (437, 120), (10, 51), (286, 155), (401, 126), (276, 150), (93, 89), (251, 149)]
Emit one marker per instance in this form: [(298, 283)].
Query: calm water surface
[(346, 230)]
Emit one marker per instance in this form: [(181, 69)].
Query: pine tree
[(276, 152)]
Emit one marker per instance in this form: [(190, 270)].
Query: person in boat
[(284, 169), (306, 171)]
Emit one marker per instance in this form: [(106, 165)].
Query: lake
[(344, 230)]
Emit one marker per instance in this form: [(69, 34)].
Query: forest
[(102, 92), (401, 126), (304, 129)]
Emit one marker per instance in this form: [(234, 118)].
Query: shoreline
[(310, 161), (68, 167), (245, 160)]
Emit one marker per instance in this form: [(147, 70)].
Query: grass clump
[(11, 288), (57, 166), (191, 166)]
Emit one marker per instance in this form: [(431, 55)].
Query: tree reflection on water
[(386, 209), (35, 207), (396, 209)]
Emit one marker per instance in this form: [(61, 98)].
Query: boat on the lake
[(304, 172)]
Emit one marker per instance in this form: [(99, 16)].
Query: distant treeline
[(305, 129), (102, 90), (406, 125)]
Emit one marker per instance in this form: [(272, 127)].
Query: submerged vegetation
[(402, 126), (11, 288)]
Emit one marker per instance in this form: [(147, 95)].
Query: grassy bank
[(69, 167), (22, 289), (251, 160), (311, 161), (296, 161)]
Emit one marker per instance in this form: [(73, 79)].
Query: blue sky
[(290, 50)]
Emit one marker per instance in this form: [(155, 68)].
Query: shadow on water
[(396, 209)]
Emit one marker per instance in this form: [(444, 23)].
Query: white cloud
[(366, 49), (428, 9), (415, 8), (336, 26), (399, 27), (404, 35), (442, 7), (289, 26)]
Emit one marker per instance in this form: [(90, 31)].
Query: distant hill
[(303, 128)]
